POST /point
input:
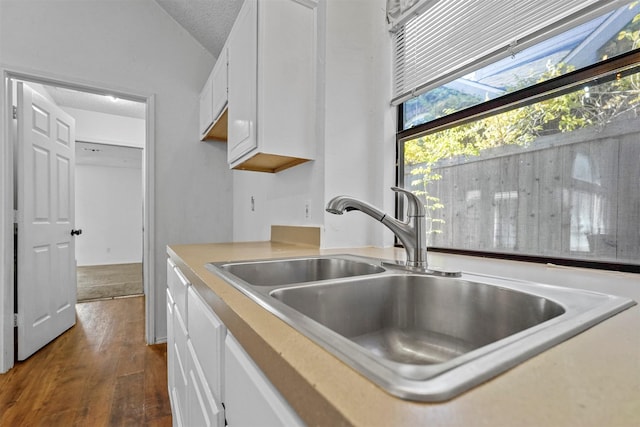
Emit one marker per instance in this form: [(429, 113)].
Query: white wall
[(134, 47), (108, 189), (92, 126), (359, 140), (277, 199), (109, 212), (355, 148)]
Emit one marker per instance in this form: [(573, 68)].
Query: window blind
[(453, 38), (400, 11)]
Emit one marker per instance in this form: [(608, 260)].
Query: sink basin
[(419, 320), (299, 270), (419, 337)]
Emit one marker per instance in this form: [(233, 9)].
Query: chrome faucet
[(411, 233)]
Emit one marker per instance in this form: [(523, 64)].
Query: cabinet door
[(180, 369), (247, 387), (242, 77), (177, 413), (170, 342), (286, 78), (206, 106), (178, 285), (203, 408), (219, 85), (206, 334)]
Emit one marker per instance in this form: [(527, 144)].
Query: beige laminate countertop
[(593, 379)]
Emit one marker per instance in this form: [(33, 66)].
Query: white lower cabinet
[(203, 408), (177, 285), (206, 337), (170, 340), (212, 381), (250, 399), (194, 357), (180, 369)]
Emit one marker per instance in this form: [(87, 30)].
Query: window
[(536, 154)]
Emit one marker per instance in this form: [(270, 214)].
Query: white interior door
[(46, 267)]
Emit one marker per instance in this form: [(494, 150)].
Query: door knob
[(76, 232)]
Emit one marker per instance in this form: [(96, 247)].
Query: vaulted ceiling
[(208, 21)]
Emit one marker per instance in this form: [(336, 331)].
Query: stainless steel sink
[(298, 270), (419, 320), (422, 337)]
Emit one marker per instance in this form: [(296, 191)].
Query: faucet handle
[(415, 207)]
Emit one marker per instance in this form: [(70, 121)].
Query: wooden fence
[(571, 195)]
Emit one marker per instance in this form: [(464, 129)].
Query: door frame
[(7, 268)]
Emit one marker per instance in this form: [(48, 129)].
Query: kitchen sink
[(419, 320), (419, 337), (299, 270)]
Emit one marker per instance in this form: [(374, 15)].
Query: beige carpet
[(109, 281)]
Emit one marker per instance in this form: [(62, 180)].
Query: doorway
[(109, 149), (109, 211), (7, 183), (109, 192)]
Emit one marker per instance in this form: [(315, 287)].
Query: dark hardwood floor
[(98, 373)]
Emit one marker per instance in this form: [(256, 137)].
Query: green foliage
[(628, 38), (436, 103)]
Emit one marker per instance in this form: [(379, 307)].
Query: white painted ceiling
[(88, 153), (93, 102)]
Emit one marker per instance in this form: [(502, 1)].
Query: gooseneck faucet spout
[(411, 233)]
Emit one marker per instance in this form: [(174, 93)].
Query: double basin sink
[(419, 337)]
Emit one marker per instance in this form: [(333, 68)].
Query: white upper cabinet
[(242, 50), (213, 102), (272, 85), (206, 108), (219, 85)]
